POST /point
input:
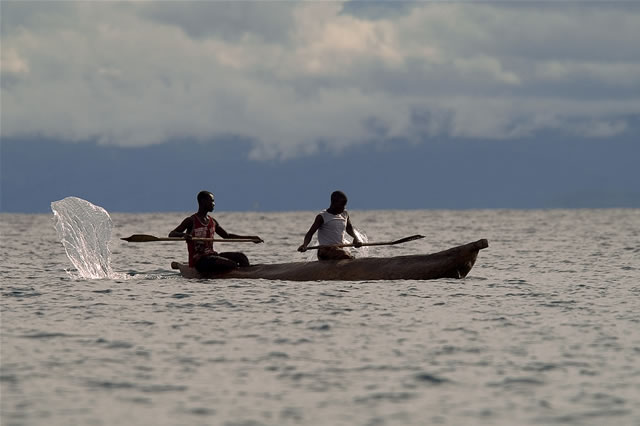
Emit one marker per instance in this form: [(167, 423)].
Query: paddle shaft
[(351, 245), (143, 238), (217, 240), (386, 243)]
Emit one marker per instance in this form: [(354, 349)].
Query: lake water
[(544, 330)]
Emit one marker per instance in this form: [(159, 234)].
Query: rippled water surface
[(544, 330)]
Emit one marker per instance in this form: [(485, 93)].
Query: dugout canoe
[(455, 262)]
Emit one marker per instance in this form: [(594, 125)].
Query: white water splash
[(85, 231)]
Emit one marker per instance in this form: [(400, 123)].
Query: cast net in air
[(85, 231)]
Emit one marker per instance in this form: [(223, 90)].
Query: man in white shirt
[(331, 225)]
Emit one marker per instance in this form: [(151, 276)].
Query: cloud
[(229, 21), (293, 77)]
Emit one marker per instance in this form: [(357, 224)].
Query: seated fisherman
[(202, 256), (331, 225)]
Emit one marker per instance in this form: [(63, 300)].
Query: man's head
[(206, 200), (338, 196), (338, 201)]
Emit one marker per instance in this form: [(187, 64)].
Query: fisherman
[(202, 256), (331, 225)]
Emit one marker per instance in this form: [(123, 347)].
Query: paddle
[(387, 243), (143, 238)]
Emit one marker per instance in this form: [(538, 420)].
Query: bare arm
[(224, 234), (183, 230), (350, 231), (314, 227)]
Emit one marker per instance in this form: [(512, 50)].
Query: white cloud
[(12, 63), (292, 75)]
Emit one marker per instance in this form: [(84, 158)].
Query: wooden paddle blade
[(143, 238), (140, 238), (407, 239)]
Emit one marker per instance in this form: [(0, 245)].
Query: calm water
[(545, 330)]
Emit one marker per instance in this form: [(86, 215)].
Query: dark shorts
[(333, 253), (221, 262)]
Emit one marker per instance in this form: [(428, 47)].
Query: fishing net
[(85, 231)]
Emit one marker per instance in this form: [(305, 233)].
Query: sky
[(273, 105)]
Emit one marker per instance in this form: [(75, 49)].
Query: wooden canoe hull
[(452, 263)]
